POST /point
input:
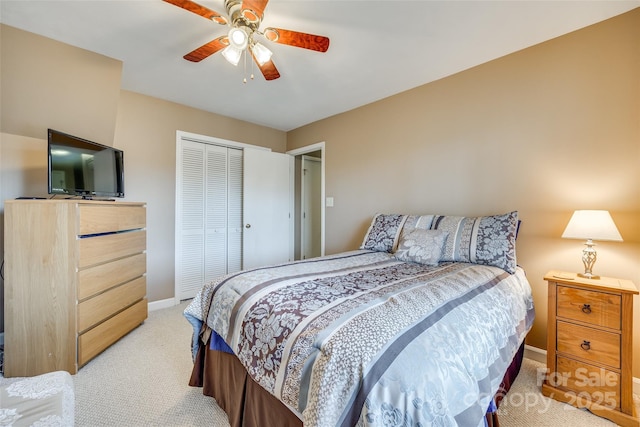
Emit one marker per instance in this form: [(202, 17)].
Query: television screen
[(78, 167)]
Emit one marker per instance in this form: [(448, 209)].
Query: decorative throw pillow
[(421, 246), (487, 240), (383, 233)]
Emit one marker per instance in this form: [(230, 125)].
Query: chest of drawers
[(75, 281), (589, 345)]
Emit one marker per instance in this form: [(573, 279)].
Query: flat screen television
[(78, 167)]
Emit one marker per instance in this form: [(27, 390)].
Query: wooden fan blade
[(268, 69), (297, 39), (253, 10), (199, 10), (208, 49)]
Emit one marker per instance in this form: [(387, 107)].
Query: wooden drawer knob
[(586, 308), (586, 345)]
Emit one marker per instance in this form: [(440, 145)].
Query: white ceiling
[(378, 48)]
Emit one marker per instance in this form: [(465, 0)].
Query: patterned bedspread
[(360, 338)]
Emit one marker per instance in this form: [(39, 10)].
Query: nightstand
[(589, 345)]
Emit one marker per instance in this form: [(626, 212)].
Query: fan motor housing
[(242, 17)]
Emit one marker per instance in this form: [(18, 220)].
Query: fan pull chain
[(244, 79), (252, 70)]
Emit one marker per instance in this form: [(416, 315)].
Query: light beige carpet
[(525, 406), (142, 381)]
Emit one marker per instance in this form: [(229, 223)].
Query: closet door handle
[(247, 226)]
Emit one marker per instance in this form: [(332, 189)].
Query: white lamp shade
[(261, 53), (232, 54), (592, 224)]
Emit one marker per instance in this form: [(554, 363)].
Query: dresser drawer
[(96, 219), (603, 386), (105, 305), (94, 341), (596, 308), (109, 247), (588, 344), (99, 278)]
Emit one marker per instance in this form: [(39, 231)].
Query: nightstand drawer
[(596, 308), (602, 385), (588, 344)]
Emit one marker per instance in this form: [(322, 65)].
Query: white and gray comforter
[(360, 338)]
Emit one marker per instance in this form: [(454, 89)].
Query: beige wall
[(47, 84), (544, 131)]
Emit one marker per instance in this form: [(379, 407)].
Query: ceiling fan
[(244, 17)]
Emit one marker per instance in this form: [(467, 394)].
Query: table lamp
[(590, 225)]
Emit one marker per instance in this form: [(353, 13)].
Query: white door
[(215, 194), (208, 215), (222, 211), (311, 208), (267, 208), (234, 211), (190, 205)]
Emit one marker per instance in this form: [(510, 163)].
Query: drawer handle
[(586, 345), (586, 308)]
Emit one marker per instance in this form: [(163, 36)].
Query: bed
[(423, 325)]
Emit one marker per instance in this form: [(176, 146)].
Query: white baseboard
[(163, 303), (540, 355)]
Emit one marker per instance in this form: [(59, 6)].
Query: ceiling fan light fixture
[(232, 54), (261, 53), (244, 18), (238, 38)]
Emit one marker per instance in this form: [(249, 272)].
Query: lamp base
[(589, 276), (589, 257)]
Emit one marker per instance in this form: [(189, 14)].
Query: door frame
[(318, 146), (180, 135)]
